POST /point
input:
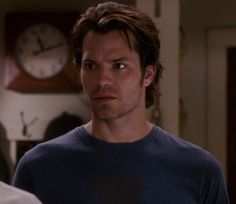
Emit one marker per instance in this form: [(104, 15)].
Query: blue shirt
[(77, 168)]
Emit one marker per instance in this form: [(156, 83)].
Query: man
[(12, 195), (119, 157)]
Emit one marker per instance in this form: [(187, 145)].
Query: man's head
[(112, 16)]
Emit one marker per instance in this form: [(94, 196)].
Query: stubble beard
[(109, 112), (119, 109)]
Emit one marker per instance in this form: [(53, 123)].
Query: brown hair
[(110, 16)]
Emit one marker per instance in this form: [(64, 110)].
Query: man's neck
[(119, 131)]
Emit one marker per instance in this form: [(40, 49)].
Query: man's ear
[(149, 75)]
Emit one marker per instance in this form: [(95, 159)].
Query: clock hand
[(38, 40), (40, 43), (54, 46), (45, 49)]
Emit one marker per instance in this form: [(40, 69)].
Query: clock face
[(42, 51)]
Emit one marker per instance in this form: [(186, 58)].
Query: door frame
[(218, 40)]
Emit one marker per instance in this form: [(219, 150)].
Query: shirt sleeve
[(213, 187)]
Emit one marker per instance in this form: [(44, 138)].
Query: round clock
[(42, 51), (38, 52)]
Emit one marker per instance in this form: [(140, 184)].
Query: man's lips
[(104, 98)]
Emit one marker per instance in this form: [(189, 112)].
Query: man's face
[(111, 76)]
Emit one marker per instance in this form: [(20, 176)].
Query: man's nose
[(104, 76)]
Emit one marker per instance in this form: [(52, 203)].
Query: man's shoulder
[(58, 145), (182, 149)]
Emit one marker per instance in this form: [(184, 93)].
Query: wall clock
[(42, 51), (38, 53)]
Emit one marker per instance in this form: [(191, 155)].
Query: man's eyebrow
[(88, 60)]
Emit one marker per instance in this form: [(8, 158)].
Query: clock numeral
[(31, 68), (41, 73), (53, 68)]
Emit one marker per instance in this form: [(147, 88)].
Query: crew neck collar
[(101, 144)]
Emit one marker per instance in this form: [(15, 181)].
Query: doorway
[(231, 121), (221, 101)]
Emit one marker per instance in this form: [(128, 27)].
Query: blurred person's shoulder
[(13, 195)]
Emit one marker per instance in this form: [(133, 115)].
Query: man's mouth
[(104, 98)]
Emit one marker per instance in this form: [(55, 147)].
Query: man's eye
[(88, 66), (119, 66)]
